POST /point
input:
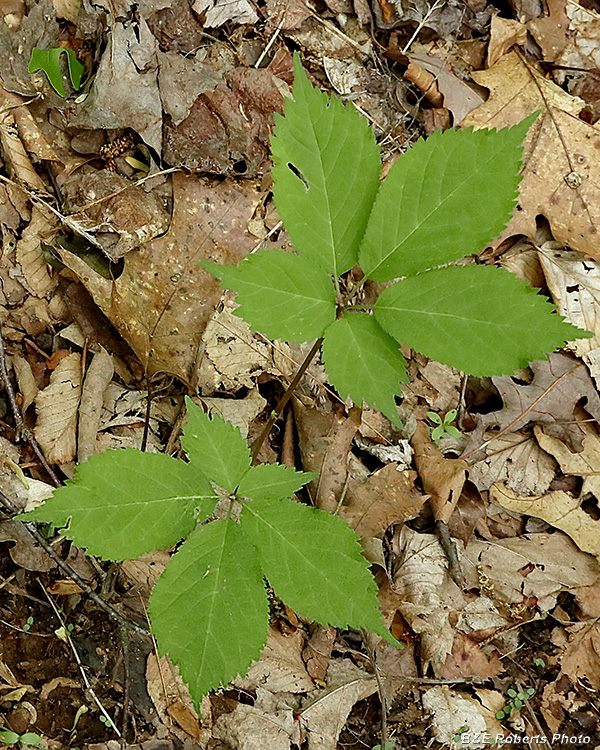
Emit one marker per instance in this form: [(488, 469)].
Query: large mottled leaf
[(479, 319), (325, 172), (215, 447), (364, 363), (314, 562), (283, 295), (209, 608), (273, 481), (445, 198), (125, 503)]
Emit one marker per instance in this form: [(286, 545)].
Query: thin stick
[(22, 429), (71, 572), (278, 411), (86, 682)]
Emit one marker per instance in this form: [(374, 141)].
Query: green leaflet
[(273, 481), (125, 503), (48, 60), (445, 198), (209, 608), (479, 319), (314, 562), (364, 363), (215, 447), (334, 150), (301, 298)]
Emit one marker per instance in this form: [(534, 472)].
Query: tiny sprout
[(444, 425), (539, 662)]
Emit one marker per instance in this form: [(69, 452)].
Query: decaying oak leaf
[(581, 660), (561, 176)]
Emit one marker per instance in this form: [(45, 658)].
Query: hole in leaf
[(298, 174)]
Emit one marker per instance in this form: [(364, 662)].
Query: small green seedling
[(389, 745), (28, 624), (29, 739), (48, 60), (444, 425), (539, 662), (516, 702), (460, 733)]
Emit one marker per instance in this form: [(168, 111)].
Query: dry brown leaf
[(451, 714), (585, 464), (516, 459), (550, 30), (388, 496), (269, 723), (504, 34), (26, 553), (16, 158), (317, 652), (559, 384), (438, 384), (57, 407), (171, 697), (67, 9), (427, 595), (162, 309), (581, 660), (97, 377), (574, 282), (280, 668), (26, 380), (558, 509), (324, 714), (240, 412), (443, 478), (561, 178), (29, 252), (468, 660), (146, 570), (532, 565)]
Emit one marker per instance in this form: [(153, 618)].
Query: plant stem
[(278, 411)]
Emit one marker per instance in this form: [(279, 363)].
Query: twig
[(449, 546), (278, 411), (86, 682), (124, 637), (71, 572), (22, 429)]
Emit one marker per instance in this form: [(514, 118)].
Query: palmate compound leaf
[(364, 363), (125, 503), (326, 172), (480, 319), (283, 295), (215, 447), (445, 198), (209, 608), (313, 561)]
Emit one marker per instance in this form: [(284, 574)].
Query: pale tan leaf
[(26, 380), (427, 594), (451, 713), (516, 459), (240, 412), (574, 282), (67, 9), (585, 463), (97, 378), (562, 172), (268, 724), (17, 160), (558, 509), (57, 407), (28, 129), (30, 257), (171, 697), (325, 713), (280, 667), (581, 660), (504, 34)]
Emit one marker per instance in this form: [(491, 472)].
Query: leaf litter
[(179, 97)]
